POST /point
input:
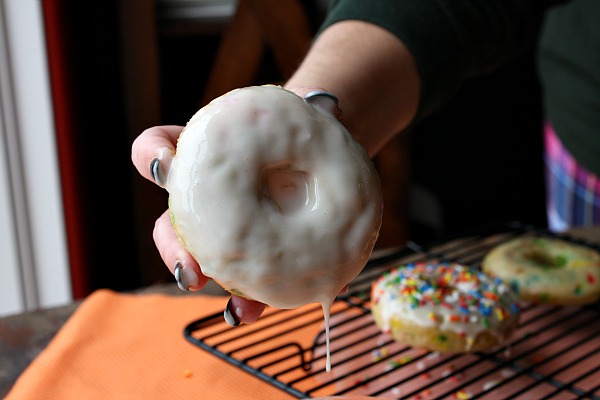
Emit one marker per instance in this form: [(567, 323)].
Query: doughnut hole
[(289, 189), (544, 259)]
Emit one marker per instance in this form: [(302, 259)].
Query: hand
[(152, 153)]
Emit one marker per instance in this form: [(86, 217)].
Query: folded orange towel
[(121, 346)]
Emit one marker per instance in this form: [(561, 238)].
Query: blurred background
[(80, 80)]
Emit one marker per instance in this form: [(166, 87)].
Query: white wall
[(34, 270)]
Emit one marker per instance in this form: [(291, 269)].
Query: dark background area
[(480, 172), (482, 154)]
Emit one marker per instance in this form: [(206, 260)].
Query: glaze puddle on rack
[(555, 352)]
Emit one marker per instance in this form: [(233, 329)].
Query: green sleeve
[(451, 40)]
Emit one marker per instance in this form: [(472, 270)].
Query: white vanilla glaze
[(446, 296), (273, 197)]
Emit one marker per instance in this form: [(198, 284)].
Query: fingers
[(181, 263), (345, 289), (240, 310), (152, 152)]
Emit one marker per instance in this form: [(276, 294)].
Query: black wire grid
[(554, 353)]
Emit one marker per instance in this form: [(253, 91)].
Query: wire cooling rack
[(554, 353)]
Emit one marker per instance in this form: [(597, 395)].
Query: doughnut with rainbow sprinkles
[(445, 307)]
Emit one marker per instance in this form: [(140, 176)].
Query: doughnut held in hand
[(547, 270), (445, 307), (273, 197)]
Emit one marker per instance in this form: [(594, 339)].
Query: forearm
[(372, 73), (394, 62)]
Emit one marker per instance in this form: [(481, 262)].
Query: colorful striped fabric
[(573, 193)]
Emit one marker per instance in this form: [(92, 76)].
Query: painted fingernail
[(320, 93), (232, 317), (323, 101), (160, 166), (186, 278), (155, 171)]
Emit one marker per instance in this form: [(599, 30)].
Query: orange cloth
[(121, 346)]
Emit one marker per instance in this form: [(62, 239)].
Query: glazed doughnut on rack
[(547, 270)]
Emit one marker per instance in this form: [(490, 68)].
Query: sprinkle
[(591, 279), (400, 361), (433, 356), (491, 296), (499, 314), (376, 356), (432, 316), (406, 359), (485, 310), (187, 373), (454, 318), (462, 395), (514, 308), (490, 384), (448, 370), (426, 392)]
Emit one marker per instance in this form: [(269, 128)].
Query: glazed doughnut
[(445, 307), (547, 270), (274, 198)]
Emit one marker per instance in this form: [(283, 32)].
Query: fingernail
[(323, 101), (155, 171), (160, 166), (232, 318), (186, 278), (320, 93)]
